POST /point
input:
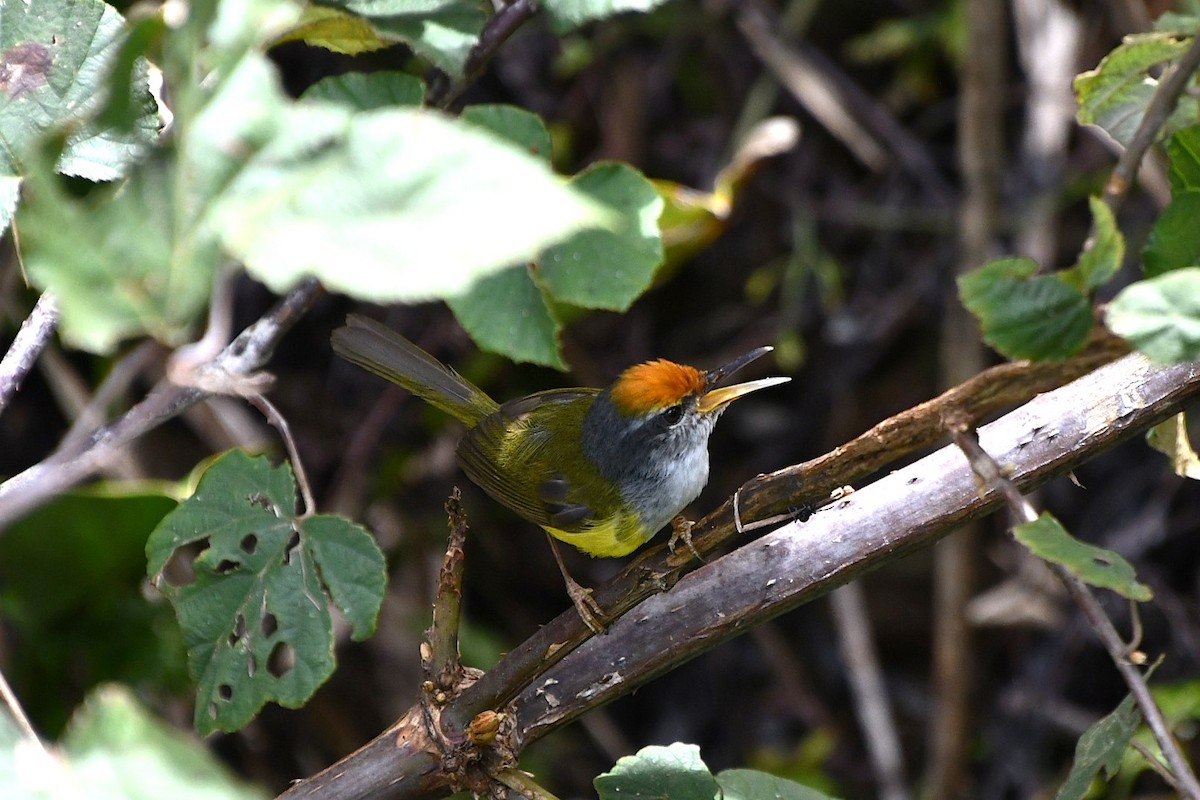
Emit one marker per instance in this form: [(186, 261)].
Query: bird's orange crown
[(655, 385)]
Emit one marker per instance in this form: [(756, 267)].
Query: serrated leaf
[(566, 15), (608, 269), (515, 125), (1174, 241), (1105, 251), (1171, 438), (750, 784), (367, 91), (1023, 315), (654, 773), (1046, 538), (506, 313), (1183, 151), (256, 617), (1101, 748), (393, 205), (57, 58), (1114, 96), (1160, 316)]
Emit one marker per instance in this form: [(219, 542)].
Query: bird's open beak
[(717, 398)]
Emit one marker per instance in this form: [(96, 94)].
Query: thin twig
[(503, 24), (1160, 107), (119, 378), (443, 666), (68, 466), (280, 423), (18, 713), (31, 339), (993, 478), (1156, 765)]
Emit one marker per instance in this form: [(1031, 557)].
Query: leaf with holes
[(252, 582), (1047, 538)]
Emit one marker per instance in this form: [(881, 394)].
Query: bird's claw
[(681, 531), (589, 610)]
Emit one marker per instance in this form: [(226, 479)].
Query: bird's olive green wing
[(527, 456)]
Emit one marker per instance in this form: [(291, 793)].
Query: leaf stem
[(993, 478)]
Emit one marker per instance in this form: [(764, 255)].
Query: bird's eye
[(671, 415)]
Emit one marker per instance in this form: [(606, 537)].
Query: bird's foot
[(681, 531), (589, 610)]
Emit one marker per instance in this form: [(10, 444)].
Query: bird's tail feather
[(381, 350)]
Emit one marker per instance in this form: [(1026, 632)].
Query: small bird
[(603, 470)]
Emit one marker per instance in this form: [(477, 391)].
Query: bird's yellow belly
[(618, 535)]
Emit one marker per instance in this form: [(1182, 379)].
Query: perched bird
[(603, 470)]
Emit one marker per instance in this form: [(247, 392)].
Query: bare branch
[(1170, 88), (442, 666), (31, 339), (70, 465), (906, 509)]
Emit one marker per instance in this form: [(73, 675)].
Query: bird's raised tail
[(389, 355)]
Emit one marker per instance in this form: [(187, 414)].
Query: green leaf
[(1174, 241), (675, 772), (566, 15), (1171, 438), (506, 313), (128, 267), (393, 205), (1024, 315), (443, 31), (1105, 250), (367, 91), (1114, 96), (1173, 22), (57, 58), (335, 30), (255, 616), (77, 594), (750, 784), (1101, 748), (142, 257), (1046, 538), (1160, 316), (514, 125), (1183, 151), (115, 749), (608, 269)]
